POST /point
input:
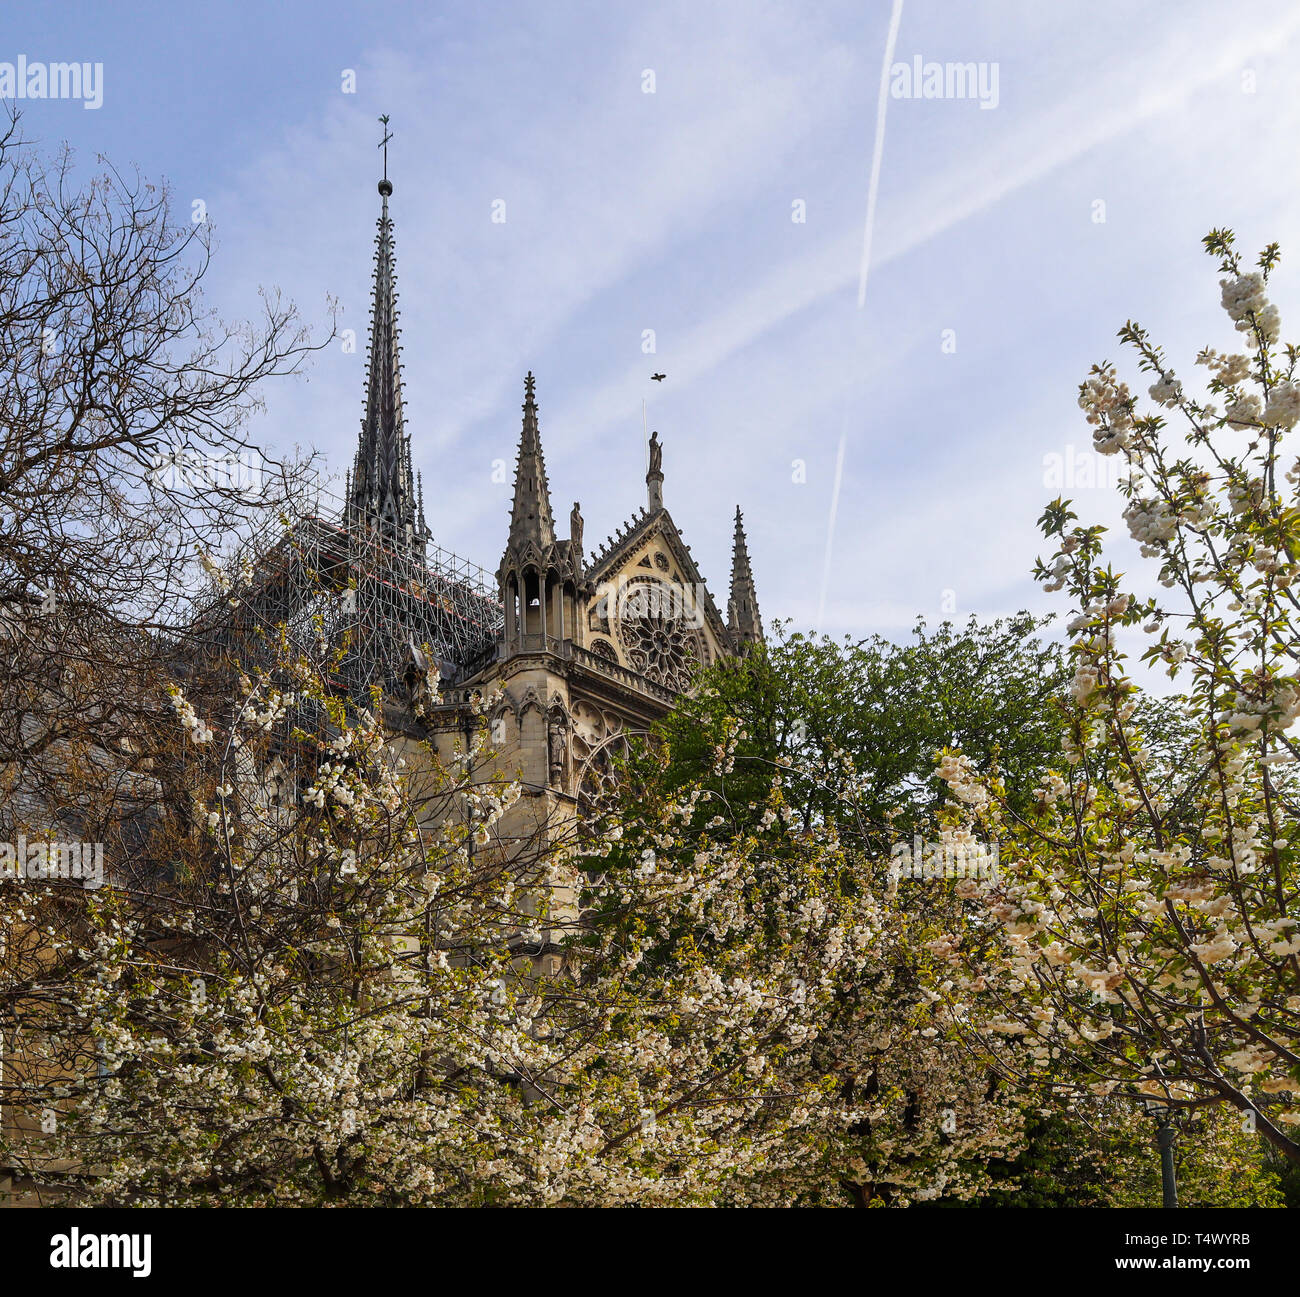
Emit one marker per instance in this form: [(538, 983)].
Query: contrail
[(830, 532), (882, 104), (895, 18)]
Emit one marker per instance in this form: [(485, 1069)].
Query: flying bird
[(658, 378)]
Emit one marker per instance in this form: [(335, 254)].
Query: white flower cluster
[(1272, 702), (962, 780), (276, 706), (1108, 406), (1173, 652), (1060, 574), (330, 786), (1151, 523), (1221, 946), (1052, 787), (1100, 982), (1283, 408), (1092, 649), (197, 730), (1098, 609), (1249, 1059), (1227, 369), (1267, 560), (1243, 298), (1283, 941), (1245, 412), (214, 571), (1245, 495), (1084, 683), (1168, 391)]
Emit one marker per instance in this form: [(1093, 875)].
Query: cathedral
[(586, 649), (571, 656)]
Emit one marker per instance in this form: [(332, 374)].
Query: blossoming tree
[(319, 987), (892, 1112), (1142, 939)]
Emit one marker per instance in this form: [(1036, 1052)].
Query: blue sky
[(627, 211)]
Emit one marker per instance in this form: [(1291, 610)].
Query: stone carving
[(658, 635), (417, 679), (575, 543), (575, 529), (558, 747)]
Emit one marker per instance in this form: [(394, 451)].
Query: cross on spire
[(383, 144)]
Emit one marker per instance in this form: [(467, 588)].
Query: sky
[(890, 448)]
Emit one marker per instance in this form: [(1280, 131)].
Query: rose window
[(659, 634)]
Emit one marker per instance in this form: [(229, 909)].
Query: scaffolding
[(334, 583)]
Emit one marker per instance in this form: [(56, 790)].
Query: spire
[(530, 517), (743, 621), (383, 496)]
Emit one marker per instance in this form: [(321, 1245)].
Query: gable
[(652, 611)]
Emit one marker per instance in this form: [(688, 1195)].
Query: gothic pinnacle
[(530, 516), (743, 621)]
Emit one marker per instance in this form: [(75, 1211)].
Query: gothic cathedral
[(585, 650)]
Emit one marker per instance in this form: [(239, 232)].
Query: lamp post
[(1166, 1134)]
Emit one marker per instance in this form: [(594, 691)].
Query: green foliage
[(1107, 1157), (994, 690)]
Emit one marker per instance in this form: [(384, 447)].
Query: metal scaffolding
[(335, 583)]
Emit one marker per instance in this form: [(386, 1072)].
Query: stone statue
[(656, 454), (559, 749), (575, 529), (415, 678)]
